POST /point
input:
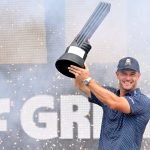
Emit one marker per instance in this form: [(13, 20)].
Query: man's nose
[(128, 77)]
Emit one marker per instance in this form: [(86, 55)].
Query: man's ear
[(139, 75), (117, 73)]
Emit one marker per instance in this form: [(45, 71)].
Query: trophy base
[(66, 60)]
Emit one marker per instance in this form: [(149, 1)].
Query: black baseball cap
[(128, 63)]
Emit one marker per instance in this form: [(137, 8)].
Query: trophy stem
[(92, 24)]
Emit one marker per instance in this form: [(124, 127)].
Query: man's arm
[(105, 96), (83, 88), (108, 98)]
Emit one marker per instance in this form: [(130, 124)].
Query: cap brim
[(131, 69)]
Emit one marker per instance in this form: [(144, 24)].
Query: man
[(126, 111)]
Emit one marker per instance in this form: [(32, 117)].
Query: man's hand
[(79, 73)]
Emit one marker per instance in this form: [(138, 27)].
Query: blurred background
[(40, 109)]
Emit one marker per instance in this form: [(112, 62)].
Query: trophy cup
[(76, 53)]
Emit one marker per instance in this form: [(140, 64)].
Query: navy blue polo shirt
[(120, 131)]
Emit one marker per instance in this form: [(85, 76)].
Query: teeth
[(127, 82)]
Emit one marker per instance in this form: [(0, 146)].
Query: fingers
[(79, 72), (75, 70)]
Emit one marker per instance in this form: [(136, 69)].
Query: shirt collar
[(130, 93)]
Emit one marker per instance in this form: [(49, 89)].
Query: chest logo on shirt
[(131, 100)]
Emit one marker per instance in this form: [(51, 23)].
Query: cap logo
[(128, 62)]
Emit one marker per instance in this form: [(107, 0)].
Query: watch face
[(86, 81)]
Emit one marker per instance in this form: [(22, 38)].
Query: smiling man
[(126, 111)]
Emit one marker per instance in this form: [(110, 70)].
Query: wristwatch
[(87, 81)]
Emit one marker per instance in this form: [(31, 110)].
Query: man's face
[(127, 79)]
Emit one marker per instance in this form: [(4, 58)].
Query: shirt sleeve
[(94, 99), (138, 104)]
